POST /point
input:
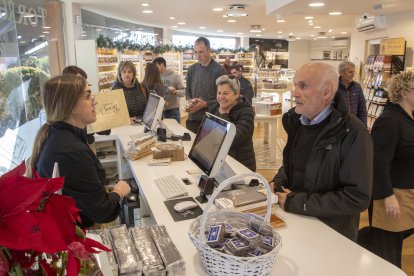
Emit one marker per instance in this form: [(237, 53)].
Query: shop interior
[(272, 40)]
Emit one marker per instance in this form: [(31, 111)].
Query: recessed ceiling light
[(335, 13), (231, 21), (298, 38), (42, 36), (308, 17), (218, 9), (310, 24), (202, 27), (317, 27), (19, 37), (145, 4), (332, 37), (181, 23), (321, 36), (343, 32), (330, 31), (290, 33), (46, 32), (172, 17), (224, 15), (312, 35), (258, 35), (310, 21), (316, 4), (174, 26), (147, 11), (84, 35), (239, 33), (280, 21), (263, 29), (280, 32), (315, 38), (219, 31), (46, 27)]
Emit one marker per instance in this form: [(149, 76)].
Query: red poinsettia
[(35, 220)]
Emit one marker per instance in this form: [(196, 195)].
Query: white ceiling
[(196, 13)]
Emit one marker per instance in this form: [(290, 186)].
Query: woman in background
[(393, 189), (69, 108), (236, 109), (135, 96), (152, 81)]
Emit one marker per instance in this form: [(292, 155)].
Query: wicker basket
[(217, 263)]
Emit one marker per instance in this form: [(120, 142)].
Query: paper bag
[(111, 111)]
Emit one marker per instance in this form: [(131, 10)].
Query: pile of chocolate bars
[(147, 250), (251, 241)]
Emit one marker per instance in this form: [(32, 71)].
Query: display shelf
[(174, 61), (109, 154), (107, 66), (132, 56)]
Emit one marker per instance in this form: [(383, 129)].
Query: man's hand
[(173, 91), (199, 104), (392, 207), (282, 197)]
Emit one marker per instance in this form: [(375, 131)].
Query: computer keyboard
[(170, 186)]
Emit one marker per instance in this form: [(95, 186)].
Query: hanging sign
[(392, 47)]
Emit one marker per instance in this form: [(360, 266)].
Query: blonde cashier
[(70, 107)]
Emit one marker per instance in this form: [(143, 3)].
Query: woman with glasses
[(135, 96), (235, 108), (70, 107)]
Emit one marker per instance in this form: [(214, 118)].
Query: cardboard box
[(268, 108)]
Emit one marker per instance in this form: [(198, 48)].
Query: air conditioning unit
[(370, 23)]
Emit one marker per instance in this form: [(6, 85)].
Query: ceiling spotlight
[(147, 11), (290, 33), (263, 29), (255, 29), (239, 33), (258, 35), (219, 31), (172, 18), (343, 32), (231, 21), (330, 31), (145, 4), (280, 32), (280, 21), (218, 9), (237, 10), (174, 26), (317, 27), (316, 4), (335, 13), (181, 23), (202, 27), (308, 17)]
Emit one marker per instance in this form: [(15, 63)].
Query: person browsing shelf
[(327, 161), (201, 83), (69, 108), (393, 190), (175, 89), (233, 107), (135, 96), (352, 91)]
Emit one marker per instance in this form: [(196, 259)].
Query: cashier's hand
[(282, 197), (200, 104), (122, 188), (392, 207)]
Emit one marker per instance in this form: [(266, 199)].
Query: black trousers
[(192, 125), (388, 245)]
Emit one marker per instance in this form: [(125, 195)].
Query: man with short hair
[(328, 159), (201, 83), (176, 89), (352, 91), (246, 88)]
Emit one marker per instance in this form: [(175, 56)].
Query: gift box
[(173, 151)]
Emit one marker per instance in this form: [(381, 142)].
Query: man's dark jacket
[(338, 176), (242, 116), (354, 99)]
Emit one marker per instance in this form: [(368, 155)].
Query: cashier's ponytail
[(59, 96)]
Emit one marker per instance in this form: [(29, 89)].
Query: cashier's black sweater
[(84, 174), (393, 137)]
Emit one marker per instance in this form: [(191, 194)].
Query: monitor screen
[(212, 144), (153, 111)]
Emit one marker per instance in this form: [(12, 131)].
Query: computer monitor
[(212, 144), (153, 112)]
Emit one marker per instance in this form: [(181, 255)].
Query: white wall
[(398, 25), (299, 53)]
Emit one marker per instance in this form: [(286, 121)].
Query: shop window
[(24, 68)]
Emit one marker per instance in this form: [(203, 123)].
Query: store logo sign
[(22, 14)]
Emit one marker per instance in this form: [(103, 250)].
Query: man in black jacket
[(327, 161), (246, 88)]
